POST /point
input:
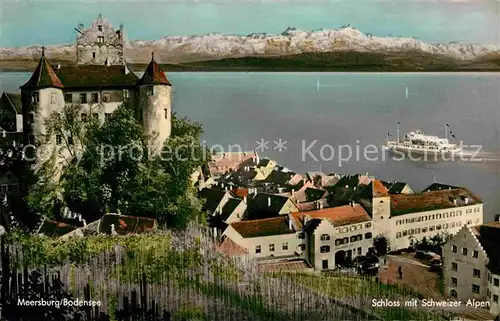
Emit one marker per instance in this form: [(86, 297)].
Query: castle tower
[(155, 92), (99, 43), (381, 208), (41, 96)]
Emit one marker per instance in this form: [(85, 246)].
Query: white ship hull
[(423, 153)]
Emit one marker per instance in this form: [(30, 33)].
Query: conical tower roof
[(153, 75), (44, 75)]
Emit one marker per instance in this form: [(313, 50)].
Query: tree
[(381, 244), (109, 168)]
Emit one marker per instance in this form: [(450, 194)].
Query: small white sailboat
[(317, 84), (407, 92)]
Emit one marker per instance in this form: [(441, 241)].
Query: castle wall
[(98, 43), (157, 114)]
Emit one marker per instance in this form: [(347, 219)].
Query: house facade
[(471, 265)]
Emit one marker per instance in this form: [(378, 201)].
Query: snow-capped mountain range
[(292, 41)]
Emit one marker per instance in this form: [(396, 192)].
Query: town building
[(471, 265)]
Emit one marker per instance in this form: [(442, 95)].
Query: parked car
[(436, 266)]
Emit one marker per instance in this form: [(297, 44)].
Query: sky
[(47, 22)]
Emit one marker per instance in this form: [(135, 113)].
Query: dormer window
[(100, 39), (99, 27), (150, 91), (35, 98)]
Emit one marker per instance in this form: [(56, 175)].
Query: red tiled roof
[(263, 227), (154, 75), (240, 192), (230, 248), (378, 189), (44, 76), (338, 216), (429, 201)]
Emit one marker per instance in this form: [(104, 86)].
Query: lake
[(352, 109)]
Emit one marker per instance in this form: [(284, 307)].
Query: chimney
[(466, 200), (497, 218), (280, 190), (320, 204), (107, 62), (222, 185), (269, 201), (290, 227), (455, 201), (293, 192), (58, 66), (245, 199), (127, 71)]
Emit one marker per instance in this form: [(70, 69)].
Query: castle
[(100, 82)]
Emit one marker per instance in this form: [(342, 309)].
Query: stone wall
[(100, 42)]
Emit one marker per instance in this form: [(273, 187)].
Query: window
[(417, 231), (405, 233), (469, 222), (495, 298), (257, 249), (35, 98), (411, 232), (325, 237), (70, 140), (424, 230), (438, 227), (476, 273), (345, 240), (353, 238), (302, 247), (438, 216), (100, 39), (353, 228), (106, 97), (324, 264), (95, 115), (398, 235), (53, 98), (359, 251), (324, 249), (285, 246), (454, 281), (84, 117), (475, 254), (301, 235), (464, 251), (99, 27), (83, 98), (345, 229), (431, 228), (150, 91), (495, 281), (126, 93), (93, 55), (271, 247), (452, 224), (68, 98), (368, 235), (58, 139), (107, 116), (31, 139), (453, 293), (94, 98), (475, 288), (454, 248), (338, 242), (367, 225), (454, 266), (445, 225), (31, 118), (166, 113)]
